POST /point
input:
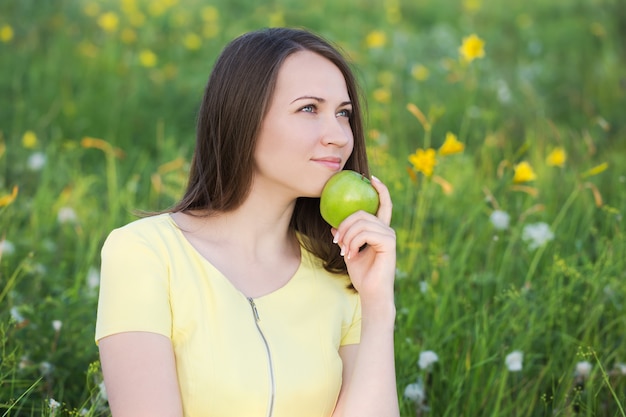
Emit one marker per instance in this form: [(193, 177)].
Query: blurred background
[(499, 126)]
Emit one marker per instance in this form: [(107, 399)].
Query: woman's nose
[(337, 132)]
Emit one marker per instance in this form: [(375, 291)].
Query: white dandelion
[(16, 315), (54, 404), (500, 219), (66, 215), (6, 247), (415, 392), (427, 359), (514, 361), (93, 278), (583, 369), (56, 325), (537, 235), (36, 161)]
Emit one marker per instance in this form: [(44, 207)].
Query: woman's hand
[(372, 268)]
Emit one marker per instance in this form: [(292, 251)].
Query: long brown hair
[(235, 101)]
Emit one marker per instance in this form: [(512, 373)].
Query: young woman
[(241, 300)]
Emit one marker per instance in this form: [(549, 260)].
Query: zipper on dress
[(257, 319)]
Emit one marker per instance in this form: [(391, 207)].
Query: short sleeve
[(134, 286), (351, 333)]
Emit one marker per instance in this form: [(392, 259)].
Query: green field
[(512, 246)]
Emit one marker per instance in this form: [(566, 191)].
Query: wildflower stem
[(12, 280), (605, 377), (112, 184), (557, 220)]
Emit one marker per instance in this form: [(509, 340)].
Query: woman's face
[(305, 136)]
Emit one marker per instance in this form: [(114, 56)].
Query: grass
[(98, 104)]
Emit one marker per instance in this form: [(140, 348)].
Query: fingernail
[(335, 238), (343, 251), (375, 178)]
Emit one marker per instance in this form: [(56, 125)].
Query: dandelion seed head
[(427, 359), (583, 369), (424, 287), (56, 325), (93, 278), (46, 368), (103, 391), (503, 92), (67, 215), (24, 362), (53, 404), (36, 161), (514, 361), (16, 315), (500, 219), (537, 235), (415, 392), (621, 368), (6, 247)]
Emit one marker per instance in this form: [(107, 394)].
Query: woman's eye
[(344, 113), (308, 109)]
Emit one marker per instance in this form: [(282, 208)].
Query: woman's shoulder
[(151, 230)]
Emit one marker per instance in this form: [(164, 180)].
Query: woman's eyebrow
[(321, 100)]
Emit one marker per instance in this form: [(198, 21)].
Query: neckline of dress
[(304, 260)]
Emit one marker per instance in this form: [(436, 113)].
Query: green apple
[(345, 193)]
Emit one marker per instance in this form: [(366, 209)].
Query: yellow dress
[(275, 355)]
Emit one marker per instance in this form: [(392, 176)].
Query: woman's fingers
[(362, 228), (386, 206)]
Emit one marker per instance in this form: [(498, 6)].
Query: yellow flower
[(128, 35), (376, 39), (382, 95), (87, 49), (91, 9), (424, 161), (29, 139), (557, 157), (451, 145), (136, 18), (6, 33), (386, 78), (523, 173), (7, 199), (277, 19), (210, 14), (147, 58), (192, 41), (420, 72), (108, 21), (473, 47), (210, 31), (471, 5)]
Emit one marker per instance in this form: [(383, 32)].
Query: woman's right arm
[(140, 375)]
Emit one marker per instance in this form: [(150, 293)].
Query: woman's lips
[(329, 162)]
